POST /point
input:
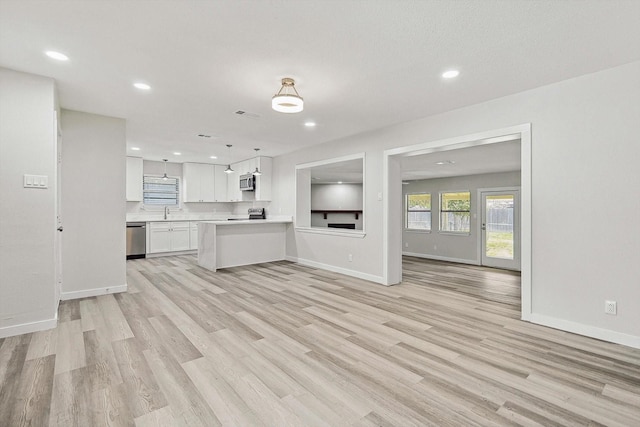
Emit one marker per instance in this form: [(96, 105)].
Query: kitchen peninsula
[(233, 243)]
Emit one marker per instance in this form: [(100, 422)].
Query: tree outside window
[(418, 213), (455, 212)]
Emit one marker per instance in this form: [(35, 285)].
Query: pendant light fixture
[(228, 169), (257, 171), (287, 100), (165, 177)]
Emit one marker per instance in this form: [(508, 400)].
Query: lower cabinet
[(169, 236), (194, 235)]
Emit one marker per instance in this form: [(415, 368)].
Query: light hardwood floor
[(280, 344)]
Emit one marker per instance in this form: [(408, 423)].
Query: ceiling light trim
[(58, 56), (141, 86), (450, 74)]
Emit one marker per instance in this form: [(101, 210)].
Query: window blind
[(161, 192)]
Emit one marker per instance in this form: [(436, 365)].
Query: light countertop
[(251, 221), (209, 218)]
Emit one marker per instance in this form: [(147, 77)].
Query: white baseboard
[(93, 292), (345, 271), (26, 328), (174, 253), (442, 258), (586, 330)]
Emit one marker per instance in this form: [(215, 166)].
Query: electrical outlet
[(406, 245), (611, 307), (350, 257)]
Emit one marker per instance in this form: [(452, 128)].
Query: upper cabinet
[(134, 179), (233, 184), (209, 183), (262, 190), (199, 182), (221, 183), (263, 182)]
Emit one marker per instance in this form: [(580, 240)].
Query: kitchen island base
[(236, 243)]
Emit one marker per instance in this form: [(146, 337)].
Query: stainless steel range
[(257, 213), (254, 213)]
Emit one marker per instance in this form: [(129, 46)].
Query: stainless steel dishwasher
[(136, 240)]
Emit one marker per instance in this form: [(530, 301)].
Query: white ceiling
[(348, 171), (360, 65), (489, 158)]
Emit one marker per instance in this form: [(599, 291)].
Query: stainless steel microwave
[(247, 182)]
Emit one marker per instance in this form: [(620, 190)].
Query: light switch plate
[(36, 181)]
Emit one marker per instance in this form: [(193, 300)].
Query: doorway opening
[(394, 217)]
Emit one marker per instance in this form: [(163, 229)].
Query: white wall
[(27, 216), (93, 204), (458, 248), (584, 144), (336, 197)]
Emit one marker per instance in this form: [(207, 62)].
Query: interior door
[(500, 229)]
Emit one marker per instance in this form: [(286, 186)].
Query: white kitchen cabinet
[(193, 238), (180, 235), (169, 236), (159, 237), (199, 182), (134, 179), (233, 184), (248, 166), (220, 183), (263, 182)]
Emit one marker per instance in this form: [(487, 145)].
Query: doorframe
[(517, 238), (58, 210), (392, 187)]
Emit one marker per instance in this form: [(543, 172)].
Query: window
[(455, 212), (160, 192), (418, 212)]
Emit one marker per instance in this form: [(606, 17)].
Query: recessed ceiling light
[(177, 154), (450, 74), (445, 162), (213, 157), (57, 55), (339, 182), (135, 148), (142, 86), (310, 124)]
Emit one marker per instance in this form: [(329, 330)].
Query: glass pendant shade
[(228, 169)]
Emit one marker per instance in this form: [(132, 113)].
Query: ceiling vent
[(247, 114)]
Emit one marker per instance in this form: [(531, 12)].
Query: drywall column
[(93, 204), (27, 215), (392, 220)]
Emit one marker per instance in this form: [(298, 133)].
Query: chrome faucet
[(166, 212)]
